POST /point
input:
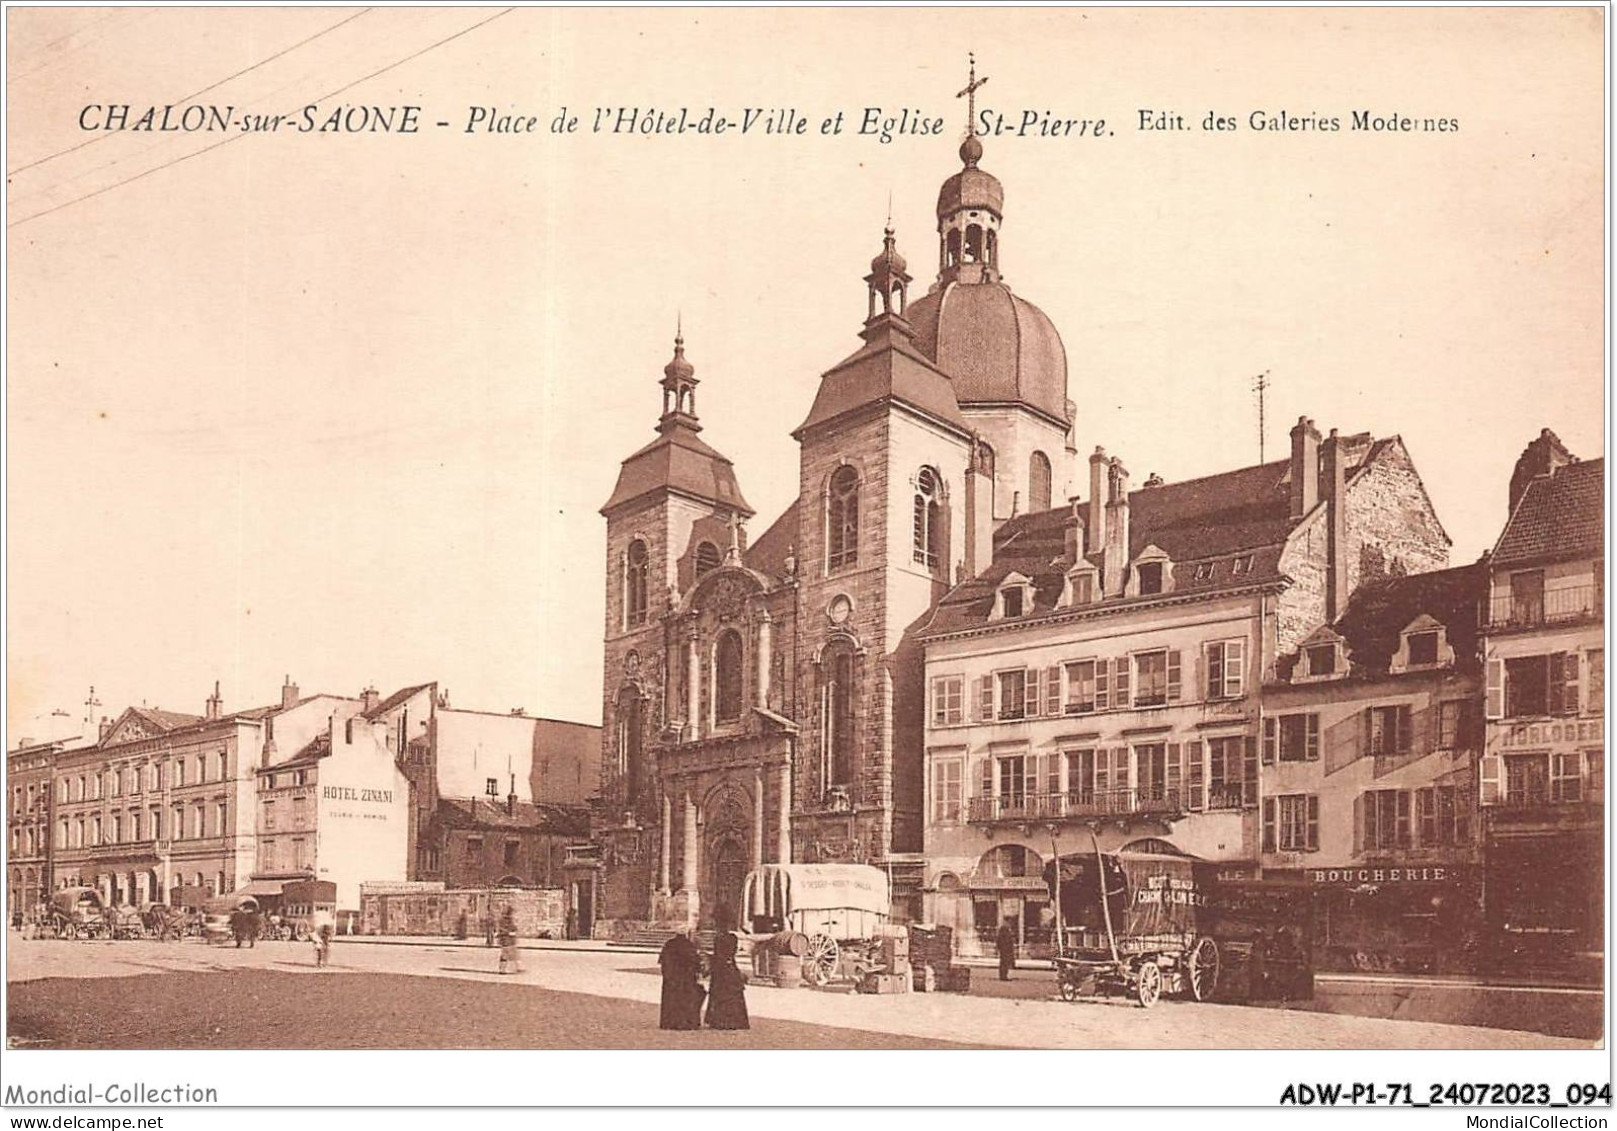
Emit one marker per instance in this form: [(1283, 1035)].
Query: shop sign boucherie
[(1431, 874)]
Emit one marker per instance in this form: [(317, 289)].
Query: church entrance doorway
[(729, 873)]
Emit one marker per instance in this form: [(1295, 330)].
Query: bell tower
[(668, 489), (880, 531)]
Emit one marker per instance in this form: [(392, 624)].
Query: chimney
[(1097, 493), (1304, 467), (510, 804), (1117, 528), (1074, 547), (214, 703), (979, 539), (289, 694), (1334, 473), (1544, 456), (368, 699)]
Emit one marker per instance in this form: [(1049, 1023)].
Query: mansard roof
[(1559, 517), (1231, 528)]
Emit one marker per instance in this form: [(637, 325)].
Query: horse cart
[(216, 916), (830, 916), (79, 913), (303, 903), (1133, 925)]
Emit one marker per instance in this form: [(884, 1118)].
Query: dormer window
[(1082, 586), (1241, 565), (1204, 571), (1011, 602), (1422, 644), (1322, 656), (1321, 659), (1014, 597), (1150, 575)]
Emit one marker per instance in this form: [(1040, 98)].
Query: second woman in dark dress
[(727, 998)]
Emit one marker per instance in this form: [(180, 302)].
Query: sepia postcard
[(1070, 530)]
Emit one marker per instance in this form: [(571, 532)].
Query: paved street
[(416, 996)]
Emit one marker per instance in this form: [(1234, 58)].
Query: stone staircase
[(645, 936)]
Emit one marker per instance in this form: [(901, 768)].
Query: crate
[(955, 980), (885, 984), (923, 979)]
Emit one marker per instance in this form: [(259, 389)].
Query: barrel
[(791, 942), (789, 971)]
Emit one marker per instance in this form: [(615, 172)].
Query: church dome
[(996, 346)]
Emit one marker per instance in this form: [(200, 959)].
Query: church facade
[(767, 699)]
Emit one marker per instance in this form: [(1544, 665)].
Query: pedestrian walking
[(1005, 944), (682, 986), (727, 996), (321, 929), (510, 961)]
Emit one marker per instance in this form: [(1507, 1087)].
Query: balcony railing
[(1076, 803), (1571, 791), (1554, 606)]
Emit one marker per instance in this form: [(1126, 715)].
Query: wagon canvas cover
[(1147, 895), (779, 890)]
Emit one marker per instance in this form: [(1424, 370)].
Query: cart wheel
[(1148, 984), (1202, 969), (820, 963), (1069, 985)]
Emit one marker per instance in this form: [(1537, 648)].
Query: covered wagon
[(79, 913), (1136, 924), (827, 914)]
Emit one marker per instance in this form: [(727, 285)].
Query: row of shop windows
[(1151, 678)]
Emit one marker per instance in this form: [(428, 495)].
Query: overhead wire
[(196, 93), (238, 136)]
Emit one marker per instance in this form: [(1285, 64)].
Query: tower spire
[(679, 386), (971, 150)]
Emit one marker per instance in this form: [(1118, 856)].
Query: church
[(765, 698)]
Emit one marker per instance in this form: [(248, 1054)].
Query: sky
[(344, 406)]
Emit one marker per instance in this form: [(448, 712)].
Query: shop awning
[(260, 888)]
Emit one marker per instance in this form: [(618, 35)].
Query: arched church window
[(985, 458), (974, 243), (728, 680), (842, 519), (993, 247), (1038, 482), (707, 558), (630, 759), (839, 731), (953, 245), (928, 519), (634, 584)]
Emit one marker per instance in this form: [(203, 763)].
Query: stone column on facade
[(757, 816), (664, 865), (783, 833), (765, 658), (693, 687), (688, 852)]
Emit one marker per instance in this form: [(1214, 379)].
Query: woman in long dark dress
[(682, 986), (727, 1001)]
